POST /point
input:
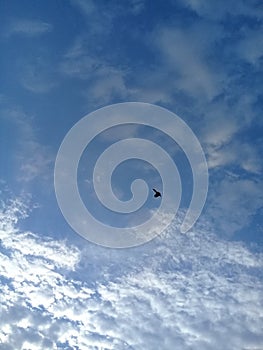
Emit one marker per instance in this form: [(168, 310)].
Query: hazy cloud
[(27, 27)]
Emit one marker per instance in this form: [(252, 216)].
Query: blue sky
[(62, 60)]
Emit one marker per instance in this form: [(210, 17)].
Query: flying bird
[(156, 193)]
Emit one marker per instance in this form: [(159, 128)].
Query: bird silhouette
[(157, 193)]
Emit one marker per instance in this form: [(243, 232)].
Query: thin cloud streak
[(27, 28)]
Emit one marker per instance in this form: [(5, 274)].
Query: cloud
[(226, 129), (234, 202), (183, 65), (28, 28), (36, 165), (237, 154), (32, 159), (137, 6), (218, 10), (37, 74), (99, 19), (221, 125), (193, 62), (250, 46), (191, 290), (184, 52), (105, 81), (109, 85), (36, 81), (87, 7)]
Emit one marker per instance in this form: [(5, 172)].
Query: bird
[(157, 193)]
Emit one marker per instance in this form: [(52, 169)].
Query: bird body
[(156, 193)]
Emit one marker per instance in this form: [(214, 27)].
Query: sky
[(201, 61)]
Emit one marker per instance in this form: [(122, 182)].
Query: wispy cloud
[(33, 160), (218, 11), (240, 155), (137, 6), (234, 202), (27, 27), (184, 54), (104, 81), (250, 47), (37, 74), (36, 81), (98, 18)]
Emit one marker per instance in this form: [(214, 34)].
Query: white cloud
[(222, 130), (27, 27), (105, 81), (37, 163), (186, 291), (98, 18), (37, 75), (237, 154), (251, 159), (137, 6), (78, 64), (184, 53), (183, 65), (234, 202), (109, 86), (250, 47), (36, 81), (221, 125), (217, 10), (32, 158), (193, 290), (87, 7)]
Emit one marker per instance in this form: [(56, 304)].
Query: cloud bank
[(190, 291)]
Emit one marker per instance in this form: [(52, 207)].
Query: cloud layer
[(188, 291)]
